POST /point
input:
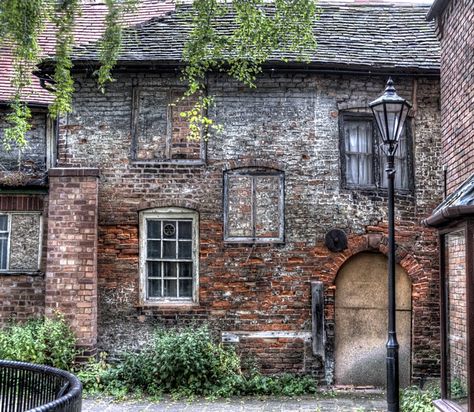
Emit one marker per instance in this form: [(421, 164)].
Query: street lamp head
[(390, 112)]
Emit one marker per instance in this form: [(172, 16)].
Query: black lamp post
[(390, 112)]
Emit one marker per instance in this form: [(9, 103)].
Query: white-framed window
[(169, 253), (20, 241), (254, 205)]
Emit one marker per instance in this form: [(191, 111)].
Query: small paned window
[(20, 242), (363, 161), (169, 254), (254, 205)]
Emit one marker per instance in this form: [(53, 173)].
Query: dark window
[(254, 200), (363, 161)]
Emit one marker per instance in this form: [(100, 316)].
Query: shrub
[(414, 399), (184, 361), (43, 341)]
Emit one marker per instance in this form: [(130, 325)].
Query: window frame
[(168, 213), (28, 271), (255, 172), (167, 159), (377, 155)]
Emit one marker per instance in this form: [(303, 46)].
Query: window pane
[(170, 289), (185, 270), (154, 288), (169, 249), (359, 159), (3, 250), (154, 269), (185, 288), (169, 230), (154, 249), (455, 270), (169, 269), (185, 250), (185, 230), (239, 206), (154, 229), (267, 205), (3, 223)]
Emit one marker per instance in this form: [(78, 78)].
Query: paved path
[(341, 403)]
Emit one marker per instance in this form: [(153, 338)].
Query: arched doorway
[(361, 321)]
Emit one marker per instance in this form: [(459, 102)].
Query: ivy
[(255, 31)]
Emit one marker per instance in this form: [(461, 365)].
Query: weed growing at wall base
[(186, 363)]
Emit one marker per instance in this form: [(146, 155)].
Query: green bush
[(414, 399), (186, 363), (47, 341)]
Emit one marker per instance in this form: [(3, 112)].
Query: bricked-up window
[(253, 205), (159, 133), (363, 161), (20, 242), (169, 257)]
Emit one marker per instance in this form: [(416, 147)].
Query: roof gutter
[(447, 215), (436, 9)]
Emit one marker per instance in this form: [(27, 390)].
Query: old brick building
[(143, 227), (454, 217)]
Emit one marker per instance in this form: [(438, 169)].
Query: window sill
[(168, 304), (21, 273), (177, 162), (251, 241), (379, 191)]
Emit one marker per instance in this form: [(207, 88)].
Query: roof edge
[(436, 9), (448, 215)]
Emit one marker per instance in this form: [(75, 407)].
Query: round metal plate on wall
[(336, 240)]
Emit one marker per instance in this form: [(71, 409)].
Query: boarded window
[(363, 159), (20, 240), (254, 205), (159, 132), (169, 254)]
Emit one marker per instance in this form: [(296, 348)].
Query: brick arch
[(249, 163), (182, 203), (375, 242)]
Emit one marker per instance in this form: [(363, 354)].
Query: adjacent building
[(454, 217)]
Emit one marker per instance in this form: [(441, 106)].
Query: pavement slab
[(340, 403)]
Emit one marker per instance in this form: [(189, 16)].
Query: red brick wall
[(71, 274), (457, 91), (22, 295)]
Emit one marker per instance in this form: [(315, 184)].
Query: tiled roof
[(350, 36), (89, 28)]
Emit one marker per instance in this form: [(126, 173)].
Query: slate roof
[(363, 37), (88, 28)]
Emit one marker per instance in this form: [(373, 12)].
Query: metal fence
[(38, 388)]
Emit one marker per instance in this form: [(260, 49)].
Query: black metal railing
[(38, 388)]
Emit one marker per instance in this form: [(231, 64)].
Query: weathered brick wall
[(33, 158), (290, 122), (22, 294), (71, 272), (457, 93)]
